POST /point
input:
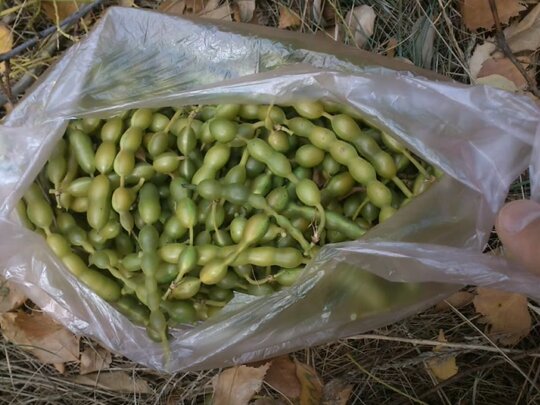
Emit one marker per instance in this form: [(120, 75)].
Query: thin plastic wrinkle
[(481, 137)]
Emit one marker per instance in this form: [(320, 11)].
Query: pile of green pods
[(165, 213)]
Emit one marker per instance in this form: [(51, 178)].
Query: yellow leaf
[(442, 367), (480, 54), (10, 297), (497, 81), (40, 335), (6, 43), (477, 13), (506, 314), (62, 10), (118, 381), (525, 34), (503, 67), (94, 359), (456, 300), (244, 10), (127, 3), (282, 377), (287, 19), (361, 21), (311, 385), (173, 7), (237, 385)]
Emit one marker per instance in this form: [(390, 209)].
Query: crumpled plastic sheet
[(483, 138)]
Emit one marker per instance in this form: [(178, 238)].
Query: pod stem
[(254, 281), (397, 181), (191, 236), (214, 216), (173, 284), (362, 204), (213, 303), (173, 119), (328, 116), (322, 223), (416, 164)]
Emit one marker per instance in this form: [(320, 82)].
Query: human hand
[(518, 226)]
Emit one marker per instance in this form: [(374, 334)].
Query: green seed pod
[(236, 228), (159, 122), (186, 212), (278, 198), (308, 192), (81, 145), (124, 163), (309, 156), (227, 111), (131, 140), (279, 141), (158, 143), (180, 311), (148, 238), (249, 111), (309, 109), (58, 244), (99, 202), (141, 118), (105, 155), (213, 272), (330, 166), (112, 130), (167, 162), (149, 207), (223, 130), (187, 140), (288, 277)]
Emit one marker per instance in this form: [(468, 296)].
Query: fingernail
[(517, 215)]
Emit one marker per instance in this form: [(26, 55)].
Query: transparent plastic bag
[(481, 137)]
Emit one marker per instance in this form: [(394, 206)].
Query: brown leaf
[(497, 81), (268, 401), (477, 13), (525, 34), (60, 367), (127, 3), (312, 387), (361, 20), (287, 19), (117, 381), (506, 314), (236, 385), (456, 300), (60, 10), (10, 297), (442, 367), (220, 13), (243, 10), (37, 333), (335, 33), (391, 47), (6, 43), (94, 359), (282, 377), (505, 68), (195, 6), (173, 7), (480, 54), (336, 392)]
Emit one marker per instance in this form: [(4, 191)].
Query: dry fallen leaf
[(94, 359), (497, 81), (287, 19), (10, 297), (244, 10), (282, 377), (57, 11), (456, 300), (336, 392), (6, 43), (220, 13), (525, 34), (37, 333), (505, 68), (477, 13), (173, 7), (506, 314), (480, 54), (312, 387), (117, 381), (236, 385), (361, 21), (442, 367), (391, 47), (127, 3)]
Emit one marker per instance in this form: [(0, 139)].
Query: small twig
[(51, 30), (384, 383), (6, 85), (470, 371), (425, 342), (503, 45)]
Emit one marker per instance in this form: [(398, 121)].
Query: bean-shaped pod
[(82, 148), (99, 202), (149, 206)]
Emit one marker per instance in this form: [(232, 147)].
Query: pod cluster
[(166, 213)]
